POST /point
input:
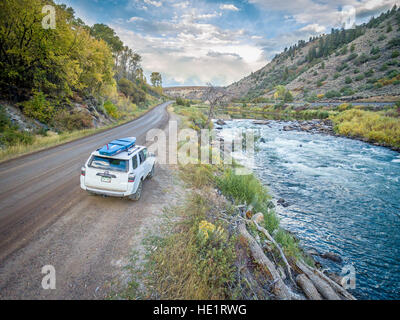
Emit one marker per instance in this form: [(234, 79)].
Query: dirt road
[(46, 219)]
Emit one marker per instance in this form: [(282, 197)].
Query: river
[(344, 197)]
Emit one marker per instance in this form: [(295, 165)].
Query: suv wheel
[(151, 174), (136, 196)]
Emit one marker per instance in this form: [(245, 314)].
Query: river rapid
[(344, 197)]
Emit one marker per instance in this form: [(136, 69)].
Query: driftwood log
[(311, 281), (321, 284), (308, 288), (270, 238), (339, 289), (279, 287)]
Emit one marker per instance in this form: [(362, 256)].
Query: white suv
[(119, 175)]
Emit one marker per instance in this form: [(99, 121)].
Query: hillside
[(191, 93), (64, 79), (358, 63)]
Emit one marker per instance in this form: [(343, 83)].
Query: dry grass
[(188, 266), (374, 126)]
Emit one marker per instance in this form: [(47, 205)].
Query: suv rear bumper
[(108, 193)]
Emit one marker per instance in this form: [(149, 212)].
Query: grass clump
[(373, 126), (197, 261), (10, 134)]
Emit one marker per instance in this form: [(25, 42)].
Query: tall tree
[(156, 79)]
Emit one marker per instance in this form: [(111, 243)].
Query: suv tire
[(137, 195)]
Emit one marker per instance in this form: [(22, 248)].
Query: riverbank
[(225, 242), (326, 127), (379, 126)]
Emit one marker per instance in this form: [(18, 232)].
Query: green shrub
[(75, 120), (375, 50), (392, 73), (10, 134), (332, 94), (288, 97), (362, 59), (382, 37), (341, 67), (347, 91), (360, 77), (10, 137), (348, 80), (352, 56), (395, 54), (112, 110), (244, 189), (369, 73), (384, 67), (131, 90), (336, 75), (394, 43), (39, 108), (182, 102)]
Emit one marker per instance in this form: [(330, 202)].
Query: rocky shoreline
[(325, 126)]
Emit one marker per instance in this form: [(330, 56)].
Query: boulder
[(221, 122), (332, 256), (283, 203), (261, 122)]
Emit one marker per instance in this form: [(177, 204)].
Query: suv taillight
[(131, 178), (83, 171)]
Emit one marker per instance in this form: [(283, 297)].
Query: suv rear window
[(109, 164)]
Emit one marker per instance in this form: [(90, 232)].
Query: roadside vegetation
[(66, 81), (17, 142)]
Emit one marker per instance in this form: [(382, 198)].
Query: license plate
[(105, 179)]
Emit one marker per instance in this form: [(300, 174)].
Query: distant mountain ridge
[(358, 63)]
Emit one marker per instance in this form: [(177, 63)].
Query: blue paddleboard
[(117, 146)]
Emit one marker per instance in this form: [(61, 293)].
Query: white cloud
[(315, 28), (195, 53), (324, 13), (230, 7), (153, 3), (181, 5), (133, 19)]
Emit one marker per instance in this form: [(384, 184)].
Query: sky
[(195, 42)]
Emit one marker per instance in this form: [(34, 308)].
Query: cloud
[(314, 28), (133, 19), (192, 42), (153, 3), (206, 54), (230, 7), (181, 5), (324, 13)]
